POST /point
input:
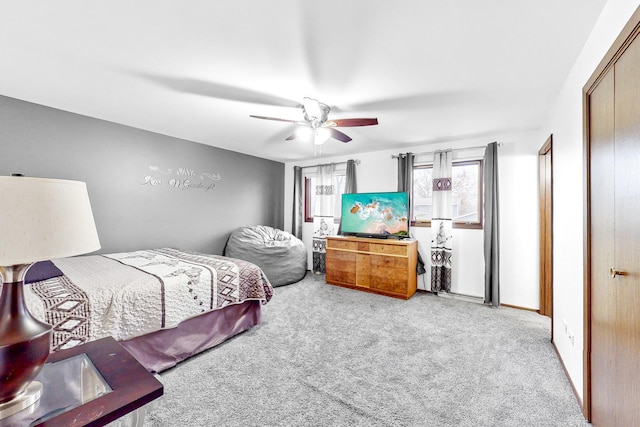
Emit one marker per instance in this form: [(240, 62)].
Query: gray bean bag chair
[(281, 255)]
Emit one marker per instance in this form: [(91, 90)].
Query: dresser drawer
[(363, 247), (342, 244), (380, 248)]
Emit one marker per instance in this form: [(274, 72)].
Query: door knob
[(613, 272)]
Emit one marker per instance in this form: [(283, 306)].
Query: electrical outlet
[(571, 337)]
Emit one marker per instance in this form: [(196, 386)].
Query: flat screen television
[(379, 215)]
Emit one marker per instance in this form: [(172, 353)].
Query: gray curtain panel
[(405, 177), (405, 183), (298, 203), (491, 227), (350, 184), (405, 172)]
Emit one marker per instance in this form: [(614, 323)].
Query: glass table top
[(67, 384)]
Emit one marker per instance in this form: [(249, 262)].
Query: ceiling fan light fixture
[(315, 112), (311, 107), (321, 136), (304, 132), (316, 125)]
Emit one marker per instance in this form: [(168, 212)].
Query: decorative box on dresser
[(381, 266)]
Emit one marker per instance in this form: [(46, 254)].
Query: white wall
[(519, 223), (519, 214), (565, 121), (519, 201)]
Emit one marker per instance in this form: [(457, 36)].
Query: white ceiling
[(430, 71)]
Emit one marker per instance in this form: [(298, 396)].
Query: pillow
[(42, 270)]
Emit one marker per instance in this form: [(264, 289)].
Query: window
[(310, 191), (466, 194)]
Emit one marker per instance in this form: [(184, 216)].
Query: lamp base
[(24, 400)]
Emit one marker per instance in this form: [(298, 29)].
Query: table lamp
[(40, 219)]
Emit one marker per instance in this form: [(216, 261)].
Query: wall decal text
[(185, 179)]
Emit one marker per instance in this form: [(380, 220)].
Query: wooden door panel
[(546, 228), (603, 294), (548, 242), (389, 273), (363, 266), (341, 267), (627, 234)]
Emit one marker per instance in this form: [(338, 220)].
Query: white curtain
[(441, 223), (323, 224)]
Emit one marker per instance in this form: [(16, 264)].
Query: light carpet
[(329, 356)]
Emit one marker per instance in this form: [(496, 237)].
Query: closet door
[(627, 235), (603, 293), (614, 131)]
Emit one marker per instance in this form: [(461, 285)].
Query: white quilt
[(130, 294)]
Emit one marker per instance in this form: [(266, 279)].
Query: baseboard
[(566, 373), (455, 296), (520, 308)]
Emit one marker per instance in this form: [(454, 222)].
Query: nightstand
[(89, 385)]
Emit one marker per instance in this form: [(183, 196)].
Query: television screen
[(375, 214)]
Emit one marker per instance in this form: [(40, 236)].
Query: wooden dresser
[(381, 266)]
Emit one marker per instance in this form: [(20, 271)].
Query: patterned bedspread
[(133, 293)]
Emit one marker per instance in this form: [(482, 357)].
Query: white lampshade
[(321, 136), (304, 132), (43, 219)]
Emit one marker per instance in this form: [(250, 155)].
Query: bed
[(163, 305)]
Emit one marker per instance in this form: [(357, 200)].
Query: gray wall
[(115, 161)]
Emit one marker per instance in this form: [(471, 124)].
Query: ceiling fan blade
[(352, 122), (273, 118), (218, 90), (339, 135)]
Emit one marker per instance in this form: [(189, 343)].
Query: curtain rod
[(336, 163), (395, 156)]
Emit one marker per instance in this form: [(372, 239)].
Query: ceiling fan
[(317, 124)]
